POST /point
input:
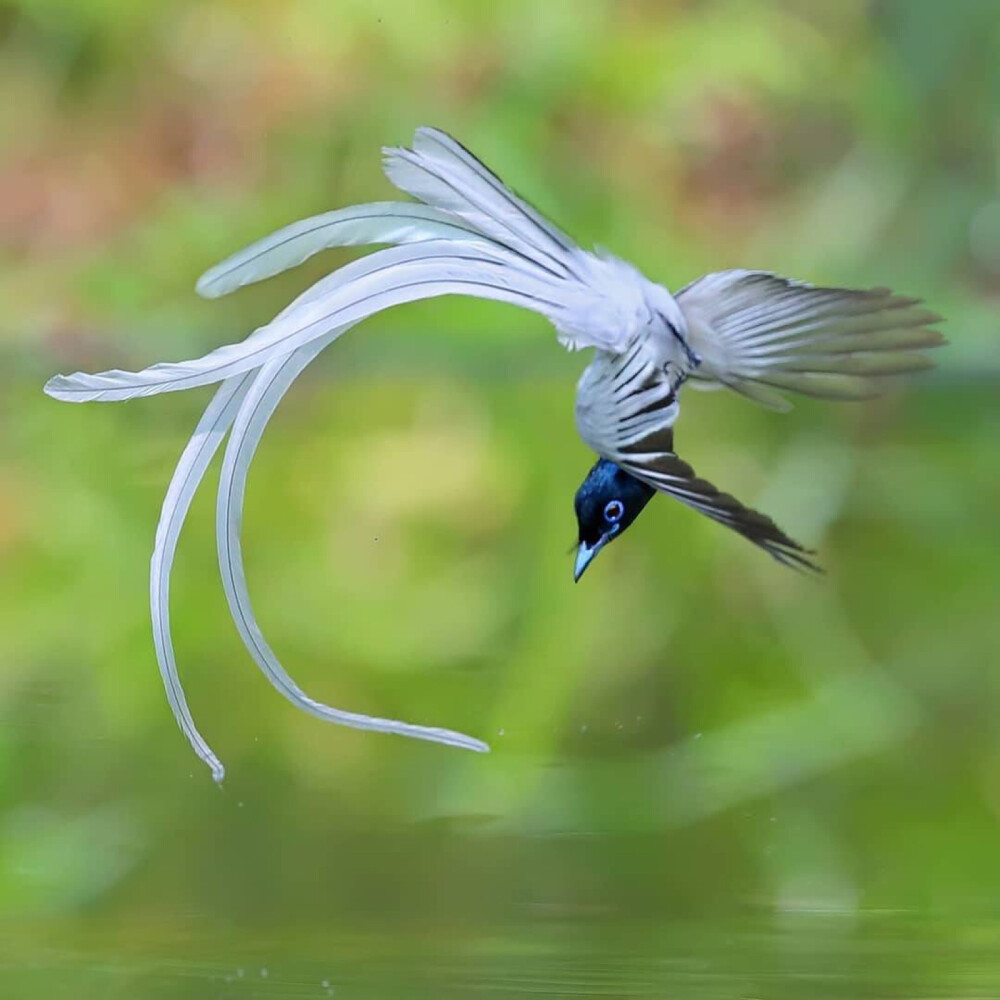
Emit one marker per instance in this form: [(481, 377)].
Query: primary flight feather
[(469, 234)]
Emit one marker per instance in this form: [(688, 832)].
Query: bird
[(468, 233)]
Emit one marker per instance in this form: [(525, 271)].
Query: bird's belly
[(625, 403)]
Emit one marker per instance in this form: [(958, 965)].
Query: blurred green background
[(710, 777)]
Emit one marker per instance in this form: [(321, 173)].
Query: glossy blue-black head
[(606, 504)]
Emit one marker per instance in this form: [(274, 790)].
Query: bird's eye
[(613, 511)]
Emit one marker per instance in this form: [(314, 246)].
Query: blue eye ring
[(613, 511)]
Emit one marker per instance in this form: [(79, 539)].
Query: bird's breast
[(626, 403)]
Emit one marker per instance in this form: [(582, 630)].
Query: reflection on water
[(798, 956)]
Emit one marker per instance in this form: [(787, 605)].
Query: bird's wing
[(608, 303), (666, 472), (441, 172), (757, 333), (462, 200)]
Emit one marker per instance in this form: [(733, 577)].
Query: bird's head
[(606, 504)]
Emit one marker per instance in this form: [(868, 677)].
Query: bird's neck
[(626, 484)]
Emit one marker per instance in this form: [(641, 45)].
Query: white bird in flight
[(750, 331)]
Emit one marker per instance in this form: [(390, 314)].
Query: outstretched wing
[(625, 411), (441, 172), (666, 472), (608, 304), (757, 333)]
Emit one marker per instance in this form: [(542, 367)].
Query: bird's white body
[(751, 331)]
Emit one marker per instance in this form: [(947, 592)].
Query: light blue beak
[(585, 556)]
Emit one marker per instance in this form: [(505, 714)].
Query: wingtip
[(803, 562), (430, 132), (814, 568), (393, 160), (799, 561)]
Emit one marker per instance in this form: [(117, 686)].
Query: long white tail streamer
[(379, 281), (190, 471), (188, 475), (269, 386), (395, 222)]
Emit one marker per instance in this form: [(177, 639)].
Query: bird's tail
[(758, 333)]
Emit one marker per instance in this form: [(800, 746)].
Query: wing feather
[(666, 472), (440, 171), (757, 332)]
